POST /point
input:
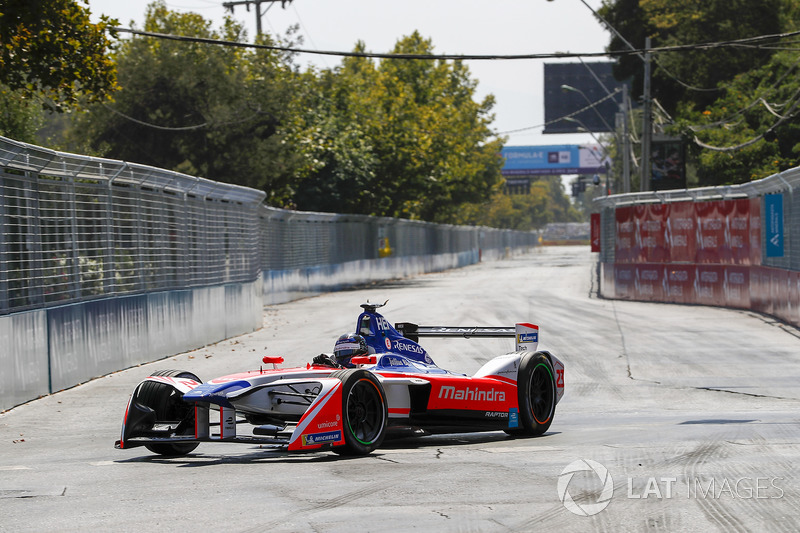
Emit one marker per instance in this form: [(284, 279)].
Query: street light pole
[(591, 104), (603, 148), (622, 144)]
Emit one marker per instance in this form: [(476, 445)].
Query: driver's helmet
[(347, 346)]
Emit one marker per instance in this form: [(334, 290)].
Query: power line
[(461, 57), (767, 91), (253, 114), (155, 126), (570, 115), (789, 115)]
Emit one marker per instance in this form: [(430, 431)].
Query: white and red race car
[(393, 389)]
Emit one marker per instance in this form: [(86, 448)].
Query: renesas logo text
[(322, 438), (407, 347), (471, 394)]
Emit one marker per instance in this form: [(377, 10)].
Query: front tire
[(169, 407), (536, 390), (365, 412)]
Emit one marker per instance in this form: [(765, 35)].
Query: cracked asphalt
[(692, 414)]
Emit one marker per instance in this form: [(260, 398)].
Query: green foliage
[(546, 203), (724, 98), (331, 130), (20, 118), (401, 138), (747, 110), (201, 109), (50, 50), (678, 22)]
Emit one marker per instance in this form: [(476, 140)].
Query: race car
[(381, 383)]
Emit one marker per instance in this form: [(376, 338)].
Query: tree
[(545, 203), (205, 110), (436, 150), (757, 103), (52, 52), (401, 138), (693, 75), (333, 126), (20, 118), (716, 96)]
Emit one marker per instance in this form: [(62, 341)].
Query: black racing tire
[(365, 411), (169, 407), (536, 390)]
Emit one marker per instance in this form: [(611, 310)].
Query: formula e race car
[(379, 383)]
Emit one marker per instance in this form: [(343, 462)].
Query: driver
[(347, 346)]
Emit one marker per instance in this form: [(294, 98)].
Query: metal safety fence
[(733, 246), (106, 264), (780, 224), (293, 240), (74, 228)]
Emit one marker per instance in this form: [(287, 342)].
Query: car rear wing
[(527, 335)]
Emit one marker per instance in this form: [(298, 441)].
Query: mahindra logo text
[(475, 394)]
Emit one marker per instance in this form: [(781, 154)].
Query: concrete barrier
[(48, 350), (24, 361), (286, 285)]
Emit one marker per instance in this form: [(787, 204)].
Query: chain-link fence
[(106, 264), (294, 240), (74, 228)]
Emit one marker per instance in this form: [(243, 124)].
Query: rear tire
[(169, 407), (364, 412), (536, 390)]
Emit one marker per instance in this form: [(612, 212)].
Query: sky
[(454, 27)]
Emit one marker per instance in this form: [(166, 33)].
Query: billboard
[(668, 163), (588, 83), (553, 160)]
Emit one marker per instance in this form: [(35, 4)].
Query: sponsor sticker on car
[(321, 438)]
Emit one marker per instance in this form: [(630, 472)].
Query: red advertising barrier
[(680, 283), (595, 232), (651, 223), (720, 285), (711, 245), (736, 287), (625, 235), (755, 231), (653, 281), (723, 232), (624, 278), (699, 253), (682, 236)]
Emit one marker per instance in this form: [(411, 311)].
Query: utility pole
[(647, 167), (626, 146), (257, 3)]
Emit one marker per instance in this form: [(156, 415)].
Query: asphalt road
[(675, 418)]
